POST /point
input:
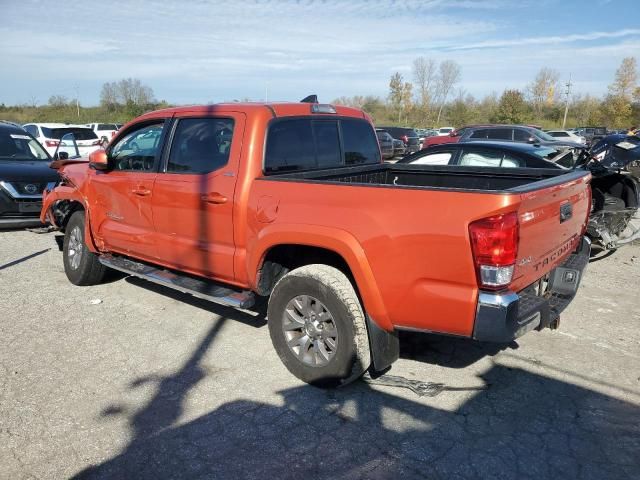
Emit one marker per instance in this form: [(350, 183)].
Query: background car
[(386, 143), (488, 154), (399, 148), (567, 135), (104, 131), (24, 175), (592, 134), (444, 131), (49, 135), (409, 137), (512, 133)]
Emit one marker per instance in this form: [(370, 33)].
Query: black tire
[(333, 290), (85, 269)]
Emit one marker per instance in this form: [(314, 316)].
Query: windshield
[(78, 133), (17, 146), (542, 135)]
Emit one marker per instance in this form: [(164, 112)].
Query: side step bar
[(204, 289)]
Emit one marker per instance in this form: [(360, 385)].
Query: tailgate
[(551, 223)]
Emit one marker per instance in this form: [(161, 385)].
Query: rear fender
[(338, 241)]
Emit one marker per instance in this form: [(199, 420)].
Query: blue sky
[(204, 51)]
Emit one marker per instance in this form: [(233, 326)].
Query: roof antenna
[(310, 99)]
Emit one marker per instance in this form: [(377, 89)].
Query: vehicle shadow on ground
[(256, 319), (450, 352), (524, 426), (23, 259)]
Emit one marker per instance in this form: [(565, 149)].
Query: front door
[(123, 219), (193, 196)]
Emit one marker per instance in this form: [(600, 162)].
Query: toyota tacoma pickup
[(291, 202)]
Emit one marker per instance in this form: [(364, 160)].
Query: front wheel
[(80, 264), (317, 326)]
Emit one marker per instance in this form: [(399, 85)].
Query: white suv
[(49, 135), (104, 131)]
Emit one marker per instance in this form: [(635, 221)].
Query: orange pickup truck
[(291, 202)]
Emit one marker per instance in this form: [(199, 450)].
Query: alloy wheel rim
[(310, 331), (75, 248)]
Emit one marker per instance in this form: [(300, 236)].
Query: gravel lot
[(129, 380)]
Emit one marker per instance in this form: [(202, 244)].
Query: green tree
[(512, 108), (399, 95), (617, 105)]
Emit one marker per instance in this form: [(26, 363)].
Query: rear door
[(123, 219), (193, 196), (551, 222)]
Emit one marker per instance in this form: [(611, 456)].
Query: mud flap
[(384, 346)]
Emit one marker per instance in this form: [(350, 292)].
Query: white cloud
[(213, 50)]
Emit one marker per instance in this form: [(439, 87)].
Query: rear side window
[(438, 158), (290, 147), (307, 144), (200, 145), (482, 133), (488, 158), (106, 126), (500, 134)]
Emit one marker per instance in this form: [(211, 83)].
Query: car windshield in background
[(17, 146), (543, 135), (78, 133)]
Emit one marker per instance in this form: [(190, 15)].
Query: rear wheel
[(81, 265), (317, 326)]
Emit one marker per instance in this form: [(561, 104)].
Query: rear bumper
[(504, 316)]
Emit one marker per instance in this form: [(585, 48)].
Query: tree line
[(120, 101), (435, 99)]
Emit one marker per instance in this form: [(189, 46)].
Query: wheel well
[(62, 211), (283, 258)]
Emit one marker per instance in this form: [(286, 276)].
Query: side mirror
[(61, 156), (531, 140), (98, 160)]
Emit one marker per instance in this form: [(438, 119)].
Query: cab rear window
[(315, 143)]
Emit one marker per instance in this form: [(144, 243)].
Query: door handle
[(216, 198), (141, 192)]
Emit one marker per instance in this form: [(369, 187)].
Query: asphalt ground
[(131, 380)]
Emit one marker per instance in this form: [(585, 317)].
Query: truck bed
[(491, 180)]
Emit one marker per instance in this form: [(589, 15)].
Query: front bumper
[(504, 316)]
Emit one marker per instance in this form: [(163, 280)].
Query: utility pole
[(566, 105)]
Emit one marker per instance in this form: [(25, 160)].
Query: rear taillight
[(51, 143), (405, 139), (494, 242), (113, 134)]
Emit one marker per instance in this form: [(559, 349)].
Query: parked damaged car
[(614, 219)]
